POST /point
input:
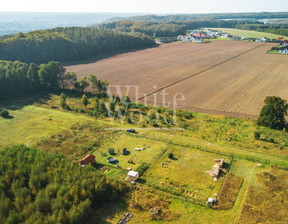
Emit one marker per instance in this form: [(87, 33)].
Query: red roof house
[(88, 159)]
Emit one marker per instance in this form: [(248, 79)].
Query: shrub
[(271, 140), (141, 169), (257, 135), (4, 113), (111, 151)]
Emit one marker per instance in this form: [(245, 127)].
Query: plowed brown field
[(223, 77)]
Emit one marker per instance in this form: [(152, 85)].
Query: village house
[(264, 39), (283, 50), (235, 38), (285, 43), (258, 40), (214, 33), (244, 38), (225, 35)]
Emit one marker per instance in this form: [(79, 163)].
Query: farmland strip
[(198, 73)]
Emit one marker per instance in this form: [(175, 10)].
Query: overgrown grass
[(186, 174), (266, 202), (147, 155), (229, 191)]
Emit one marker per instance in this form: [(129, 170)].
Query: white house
[(244, 38), (132, 176), (258, 40), (264, 39), (283, 51)]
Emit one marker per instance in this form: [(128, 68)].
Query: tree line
[(40, 187), (204, 16), (65, 44), (169, 28), (17, 78), (279, 29)]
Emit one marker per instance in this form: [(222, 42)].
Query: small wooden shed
[(88, 159), (132, 176)]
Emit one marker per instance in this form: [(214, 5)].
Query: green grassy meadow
[(247, 33), (186, 174), (180, 186)]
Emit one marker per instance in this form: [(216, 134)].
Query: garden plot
[(186, 174), (140, 150)]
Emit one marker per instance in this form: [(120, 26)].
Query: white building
[(283, 51), (132, 176)]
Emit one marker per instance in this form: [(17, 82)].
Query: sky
[(146, 6)]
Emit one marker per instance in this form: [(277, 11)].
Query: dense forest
[(39, 187), (17, 78), (64, 44)]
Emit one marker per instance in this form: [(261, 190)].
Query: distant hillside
[(209, 16)]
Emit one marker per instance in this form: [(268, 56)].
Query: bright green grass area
[(247, 33), (31, 124), (150, 152), (186, 175)]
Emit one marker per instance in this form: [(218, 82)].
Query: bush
[(170, 155), (4, 113), (271, 140), (141, 169), (257, 135)]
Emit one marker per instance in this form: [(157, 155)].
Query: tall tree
[(273, 113), (49, 74), (81, 84), (94, 82)]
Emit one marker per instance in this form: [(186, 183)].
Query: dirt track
[(223, 77)]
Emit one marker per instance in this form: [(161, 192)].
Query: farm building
[(198, 40), (264, 39), (88, 159), (225, 35), (285, 44), (132, 176), (283, 50), (235, 38)]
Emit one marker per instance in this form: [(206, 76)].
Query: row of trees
[(64, 44), (167, 29), (39, 187), (18, 78)]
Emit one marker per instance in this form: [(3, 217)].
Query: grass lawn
[(31, 124), (186, 175), (151, 150), (247, 33)]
